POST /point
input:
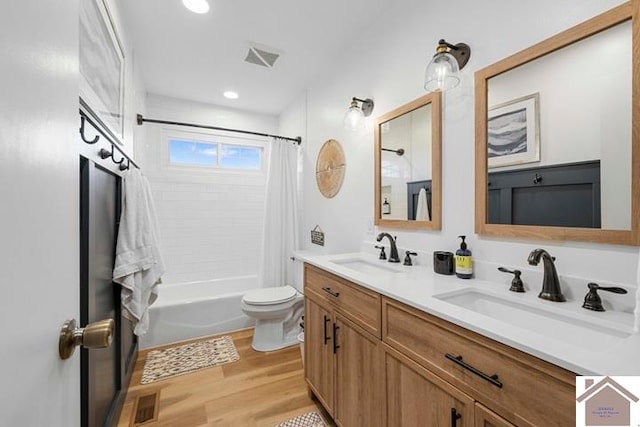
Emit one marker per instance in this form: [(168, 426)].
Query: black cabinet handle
[(326, 338), (493, 379), (335, 338), (331, 292), (455, 416)]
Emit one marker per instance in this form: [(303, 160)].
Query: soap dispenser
[(464, 262), (386, 207)]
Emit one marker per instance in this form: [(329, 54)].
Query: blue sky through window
[(237, 157), (193, 153), (214, 155)]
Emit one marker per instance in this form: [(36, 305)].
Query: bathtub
[(196, 309)]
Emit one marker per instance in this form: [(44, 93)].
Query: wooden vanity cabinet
[(318, 347), (343, 358), (373, 361), (487, 418), (416, 397), (521, 388)]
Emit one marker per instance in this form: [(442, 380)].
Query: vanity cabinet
[(416, 397), (487, 418), (373, 361), (343, 353), (318, 367), (521, 388)]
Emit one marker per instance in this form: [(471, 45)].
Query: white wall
[(210, 221), (387, 64)]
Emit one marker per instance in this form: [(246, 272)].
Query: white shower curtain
[(280, 236)]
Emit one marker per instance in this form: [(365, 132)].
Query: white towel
[(422, 211), (138, 266), (636, 312)]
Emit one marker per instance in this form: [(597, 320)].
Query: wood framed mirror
[(558, 136), (408, 165)]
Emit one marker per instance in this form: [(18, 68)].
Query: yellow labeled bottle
[(464, 261)]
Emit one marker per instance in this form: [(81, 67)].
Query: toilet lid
[(268, 296)]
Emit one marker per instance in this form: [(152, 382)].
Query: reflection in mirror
[(555, 154), (407, 162), (559, 137)]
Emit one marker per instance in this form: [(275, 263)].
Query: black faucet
[(393, 256), (550, 284)]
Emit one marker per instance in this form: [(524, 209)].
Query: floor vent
[(146, 409), (262, 56)]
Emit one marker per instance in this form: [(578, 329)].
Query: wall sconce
[(354, 118), (443, 71)]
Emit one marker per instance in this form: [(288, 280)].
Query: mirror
[(408, 164), (557, 136)]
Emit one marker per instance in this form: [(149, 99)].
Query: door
[(318, 345), (38, 212), (358, 376), (416, 397)]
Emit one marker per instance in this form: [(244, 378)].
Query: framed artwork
[(513, 132), (101, 67)]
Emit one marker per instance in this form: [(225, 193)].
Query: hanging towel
[(636, 312), (138, 266), (422, 211)]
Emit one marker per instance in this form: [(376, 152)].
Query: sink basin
[(365, 266), (576, 331)]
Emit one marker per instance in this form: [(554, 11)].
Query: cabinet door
[(487, 418), (416, 397), (318, 349), (359, 376)]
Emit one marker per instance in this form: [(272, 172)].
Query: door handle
[(95, 335), (335, 338)]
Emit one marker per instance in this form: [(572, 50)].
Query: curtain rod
[(142, 120)]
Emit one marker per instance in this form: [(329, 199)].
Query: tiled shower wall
[(210, 221)]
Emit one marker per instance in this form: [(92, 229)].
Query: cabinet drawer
[(524, 389), (360, 305)]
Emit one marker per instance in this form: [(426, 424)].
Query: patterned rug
[(310, 419), (184, 359)]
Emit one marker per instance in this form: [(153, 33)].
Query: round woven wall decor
[(330, 167)]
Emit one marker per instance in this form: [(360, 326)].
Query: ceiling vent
[(263, 56)]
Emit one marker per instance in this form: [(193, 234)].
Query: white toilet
[(277, 312)]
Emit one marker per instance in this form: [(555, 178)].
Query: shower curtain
[(280, 236)]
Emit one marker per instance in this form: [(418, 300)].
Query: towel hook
[(88, 141), (105, 154)]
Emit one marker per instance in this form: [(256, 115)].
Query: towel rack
[(124, 162)]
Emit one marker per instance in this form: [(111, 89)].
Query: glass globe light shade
[(442, 73), (354, 118)]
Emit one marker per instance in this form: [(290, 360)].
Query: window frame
[(213, 139)]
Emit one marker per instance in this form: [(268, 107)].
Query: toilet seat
[(270, 296)]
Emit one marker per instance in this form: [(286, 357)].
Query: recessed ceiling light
[(231, 94), (196, 6)]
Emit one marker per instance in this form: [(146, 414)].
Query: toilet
[(277, 313)]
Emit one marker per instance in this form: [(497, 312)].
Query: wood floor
[(259, 390)]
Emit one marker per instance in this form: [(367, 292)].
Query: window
[(184, 152)]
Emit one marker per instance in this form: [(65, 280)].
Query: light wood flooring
[(259, 390)]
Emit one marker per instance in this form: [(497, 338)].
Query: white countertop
[(417, 285)]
